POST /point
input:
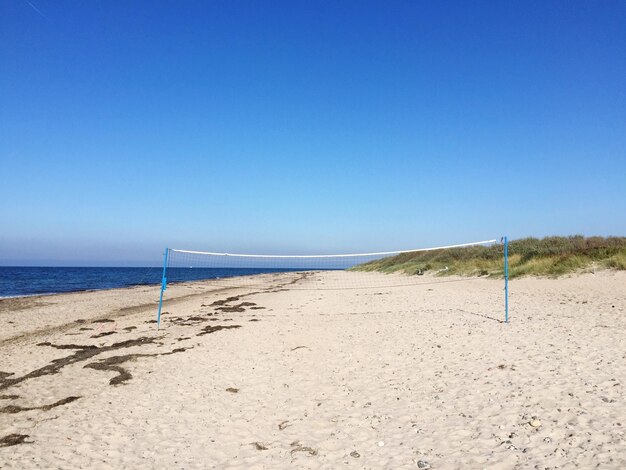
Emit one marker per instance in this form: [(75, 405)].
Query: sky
[(302, 127)]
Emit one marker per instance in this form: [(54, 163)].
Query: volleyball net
[(335, 271)]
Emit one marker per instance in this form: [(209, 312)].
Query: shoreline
[(140, 283), (60, 314), (442, 278)]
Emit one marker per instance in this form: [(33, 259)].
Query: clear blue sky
[(298, 126)]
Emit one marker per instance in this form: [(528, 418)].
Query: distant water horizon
[(23, 281)]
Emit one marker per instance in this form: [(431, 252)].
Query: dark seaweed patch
[(11, 409), (231, 309), (9, 397), (83, 353), (224, 301), (112, 364), (236, 308), (188, 321), (212, 329), (104, 333), (13, 440)]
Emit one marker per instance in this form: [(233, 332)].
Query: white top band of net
[(380, 253)]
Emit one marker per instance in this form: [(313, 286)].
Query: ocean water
[(23, 281)]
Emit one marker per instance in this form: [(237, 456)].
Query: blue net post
[(506, 279), (163, 286)]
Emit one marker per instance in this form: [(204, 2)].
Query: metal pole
[(163, 286), (506, 279)]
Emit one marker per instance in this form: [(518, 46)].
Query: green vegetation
[(550, 256)]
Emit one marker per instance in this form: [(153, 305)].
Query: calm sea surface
[(21, 281)]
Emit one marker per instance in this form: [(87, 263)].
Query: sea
[(17, 281)]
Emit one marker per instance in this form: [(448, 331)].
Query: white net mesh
[(246, 270)]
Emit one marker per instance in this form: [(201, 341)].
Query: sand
[(422, 376)]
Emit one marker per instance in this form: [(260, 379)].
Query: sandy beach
[(272, 376)]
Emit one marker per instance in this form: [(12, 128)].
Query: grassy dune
[(550, 256)]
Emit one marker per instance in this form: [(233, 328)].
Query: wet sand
[(271, 376)]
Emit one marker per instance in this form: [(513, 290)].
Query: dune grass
[(550, 256)]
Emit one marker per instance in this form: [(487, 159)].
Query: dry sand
[(405, 377)]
